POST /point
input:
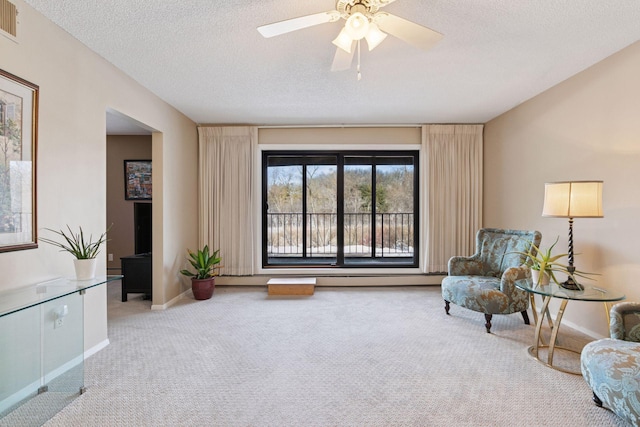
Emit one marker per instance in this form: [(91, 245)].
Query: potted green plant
[(85, 250), (544, 265), (205, 263)]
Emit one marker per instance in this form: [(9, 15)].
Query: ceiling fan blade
[(342, 60), (407, 31), (282, 27)]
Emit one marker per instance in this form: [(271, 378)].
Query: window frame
[(375, 262)]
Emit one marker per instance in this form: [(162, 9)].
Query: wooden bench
[(292, 286)]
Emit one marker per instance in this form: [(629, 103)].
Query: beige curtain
[(453, 159), (225, 195)]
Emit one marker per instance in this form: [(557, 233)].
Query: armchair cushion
[(486, 294), (611, 366), (625, 321)]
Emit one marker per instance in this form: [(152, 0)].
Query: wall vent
[(8, 17)]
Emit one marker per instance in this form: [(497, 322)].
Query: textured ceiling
[(207, 59)]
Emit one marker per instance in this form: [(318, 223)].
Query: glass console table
[(550, 291), (42, 348)]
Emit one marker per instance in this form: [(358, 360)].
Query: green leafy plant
[(544, 261), (76, 243), (204, 263)]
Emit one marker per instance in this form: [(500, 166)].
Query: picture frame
[(18, 154), (137, 180)]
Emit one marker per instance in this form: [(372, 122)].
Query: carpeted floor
[(343, 357)]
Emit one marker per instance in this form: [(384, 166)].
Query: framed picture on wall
[(18, 137), (137, 179)]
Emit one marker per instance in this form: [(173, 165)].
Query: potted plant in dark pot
[(205, 263)]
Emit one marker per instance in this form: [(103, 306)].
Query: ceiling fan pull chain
[(359, 75)]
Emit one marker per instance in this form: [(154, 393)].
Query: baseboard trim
[(96, 348), (19, 396), (171, 302), (347, 281), (31, 389), (579, 328)]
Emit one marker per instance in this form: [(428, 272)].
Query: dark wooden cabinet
[(136, 270)]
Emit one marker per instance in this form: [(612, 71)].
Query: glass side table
[(550, 291), (42, 348)]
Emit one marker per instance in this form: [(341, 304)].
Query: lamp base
[(571, 285)]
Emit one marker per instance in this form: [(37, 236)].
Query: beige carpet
[(343, 357)]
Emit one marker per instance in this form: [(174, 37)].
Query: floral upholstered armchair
[(611, 366), (486, 281)]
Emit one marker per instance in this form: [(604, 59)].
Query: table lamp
[(572, 199)]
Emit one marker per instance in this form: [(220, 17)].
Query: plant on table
[(544, 262), (83, 248), (76, 243)]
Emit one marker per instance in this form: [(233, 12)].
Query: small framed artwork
[(18, 137), (137, 179)]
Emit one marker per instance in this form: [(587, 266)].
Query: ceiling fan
[(363, 21)]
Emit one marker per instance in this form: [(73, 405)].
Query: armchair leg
[(446, 306), (488, 324), (525, 316), (597, 400)]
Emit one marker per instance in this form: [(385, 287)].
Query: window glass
[(345, 209)]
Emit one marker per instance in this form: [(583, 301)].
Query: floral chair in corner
[(486, 281), (611, 366)]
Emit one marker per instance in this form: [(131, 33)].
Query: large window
[(342, 209)]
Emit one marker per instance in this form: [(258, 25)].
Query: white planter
[(85, 268), (535, 276)]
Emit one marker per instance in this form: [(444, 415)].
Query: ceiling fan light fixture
[(357, 26), (343, 41), (363, 20), (374, 36)]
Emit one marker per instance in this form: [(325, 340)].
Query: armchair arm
[(511, 275), (625, 321), (465, 266)]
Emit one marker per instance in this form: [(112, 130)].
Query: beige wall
[(587, 127), (341, 136), (76, 88), (119, 210)]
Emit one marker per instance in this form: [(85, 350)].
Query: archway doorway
[(129, 206)]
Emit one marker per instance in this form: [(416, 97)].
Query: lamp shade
[(573, 199)]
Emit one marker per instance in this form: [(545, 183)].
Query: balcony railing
[(394, 235)]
